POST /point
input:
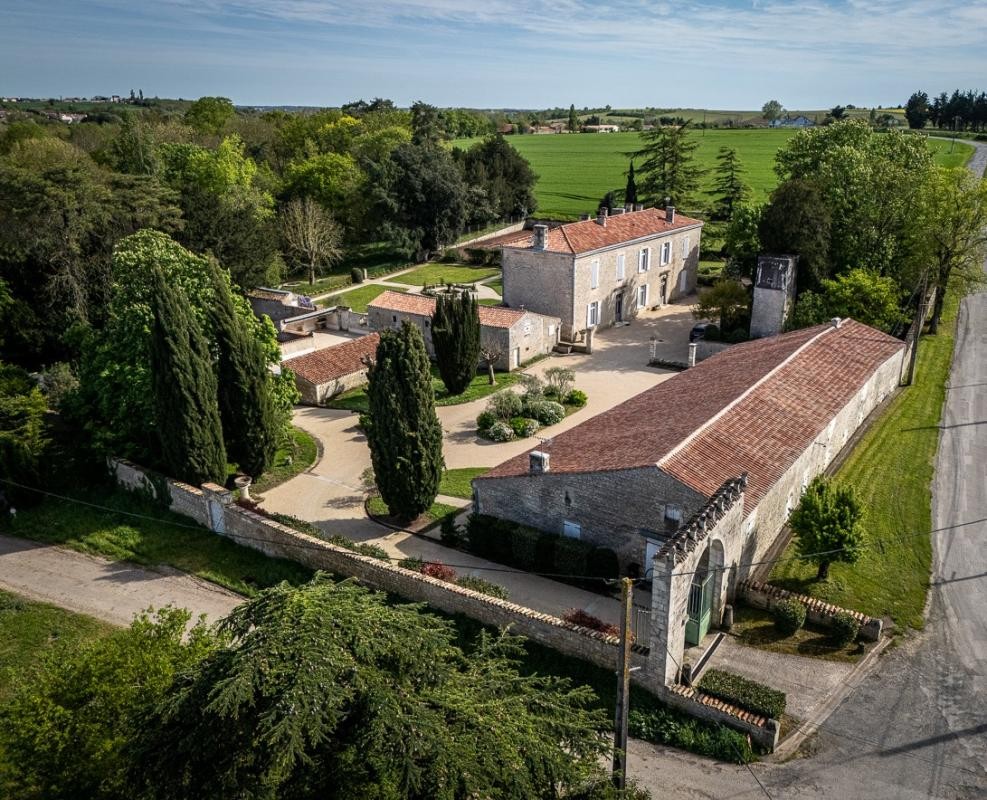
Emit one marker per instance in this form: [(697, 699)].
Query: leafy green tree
[(797, 220), (331, 179), (404, 434), (827, 525), (327, 690), (425, 124), (210, 114), (667, 164), (838, 112), (917, 110), (134, 149), (729, 188), (772, 110), (186, 413), (742, 240), (502, 173), (23, 439), (250, 424), (456, 338), (311, 235), (65, 729), (630, 190), (859, 294), (727, 301)]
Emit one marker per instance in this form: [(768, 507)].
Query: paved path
[(112, 591)]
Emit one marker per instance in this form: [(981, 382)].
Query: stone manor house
[(600, 272), (692, 480)]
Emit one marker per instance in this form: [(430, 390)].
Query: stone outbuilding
[(322, 374), (692, 481), (601, 272), (519, 335)]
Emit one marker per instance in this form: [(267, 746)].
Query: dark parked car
[(698, 332)]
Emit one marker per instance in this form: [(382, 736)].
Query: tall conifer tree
[(404, 434), (250, 425), (630, 192), (668, 165), (456, 337), (185, 407)]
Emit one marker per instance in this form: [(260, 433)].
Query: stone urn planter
[(242, 483)]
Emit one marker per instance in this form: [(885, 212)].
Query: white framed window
[(594, 273), (572, 530), (685, 248), (593, 314), (666, 252), (642, 295), (620, 266), (644, 259)]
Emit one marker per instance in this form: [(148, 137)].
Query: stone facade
[(561, 284), (316, 394), (774, 295)]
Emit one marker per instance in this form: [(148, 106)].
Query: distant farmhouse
[(800, 121), (599, 272), (601, 128), (691, 482)]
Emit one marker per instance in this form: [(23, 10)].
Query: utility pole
[(917, 325), (623, 687)]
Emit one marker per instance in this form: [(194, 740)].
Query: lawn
[(456, 482), (891, 470), (755, 627), (358, 299), (30, 631), (497, 285), (378, 258), (356, 399), (435, 514), (575, 171), (156, 537), (445, 273), (294, 457)]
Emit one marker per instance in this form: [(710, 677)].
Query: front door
[(618, 309), (663, 290), (700, 608)]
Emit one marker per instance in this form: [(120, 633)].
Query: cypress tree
[(404, 434), (185, 407), (630, 192), (250, 425), (456, 338)]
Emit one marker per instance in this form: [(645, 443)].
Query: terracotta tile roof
[(330, 363), (752, 408), (586, 235), (490, 316)]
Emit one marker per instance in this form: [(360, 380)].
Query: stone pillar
[(589, 339), (664, 652), (344, 317), (217, 498)]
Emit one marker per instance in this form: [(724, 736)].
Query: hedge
[(743, 692)]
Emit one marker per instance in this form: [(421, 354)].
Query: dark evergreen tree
[(668, 165), (502, 173), (917, 110), (573, 119), (456, 338), (250, 424), (404, 434), (185, 409), (797, 220), (630, 192), (729, 189)]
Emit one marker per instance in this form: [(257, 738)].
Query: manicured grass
[(456, 482), (754, 627), (445, 273), (575, 171), (358, 299), (294, 457), (378, 258), (356, 399), (156, 537), (891, 470), (490, 301), (30, 631), (949, 154), (435, 514), (497, 285)]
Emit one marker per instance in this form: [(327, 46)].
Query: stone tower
[(774, 294)]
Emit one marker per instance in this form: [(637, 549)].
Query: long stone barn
[(693, 480)]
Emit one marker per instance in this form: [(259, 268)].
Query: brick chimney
[(538, 241), (538, 462), (669, 213), (601, 217)]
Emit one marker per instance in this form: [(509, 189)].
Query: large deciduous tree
[(727, 301), (456, 338), (827, 525), (860, 294), (327, 690), (210, 114), (772, 110), (742, 240), (311, 235), (668, 166), (404, 433), (23, 439), (186, 412)]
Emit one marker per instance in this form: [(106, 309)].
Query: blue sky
[(731, 54)]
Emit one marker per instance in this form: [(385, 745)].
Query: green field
[(575, 171)]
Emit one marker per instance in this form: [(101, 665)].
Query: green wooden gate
[(700, 608)]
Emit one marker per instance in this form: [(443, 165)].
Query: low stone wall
[(513, 228), (763, 731), (766, 596), (706, 349)]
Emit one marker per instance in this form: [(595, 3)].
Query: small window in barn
[(572, 530), (673, 515)]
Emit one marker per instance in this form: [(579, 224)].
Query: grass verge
[(295, 456), (480, 387), (456, 482), (445, 273), (432, 517), (754, 627), (891, 470), (155, 537)]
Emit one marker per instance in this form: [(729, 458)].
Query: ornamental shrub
[(743, 692), (484, 587), (577, 616), (603, 563), (449, 532), (485, 419), (533, 388), (524, 548), (356, 275), (372, 550), (845, 628), (789, 616), (500, 432), (577, 397), (442, 572), (414, 564), (571, 556), (504, 405), (524, 427), (547, 412)]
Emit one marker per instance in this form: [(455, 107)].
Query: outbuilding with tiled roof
[(324, 373)]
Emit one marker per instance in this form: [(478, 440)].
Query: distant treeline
[(959, 111)]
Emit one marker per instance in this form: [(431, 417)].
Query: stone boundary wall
[(766, 596), (213, 507), (763, 731)]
